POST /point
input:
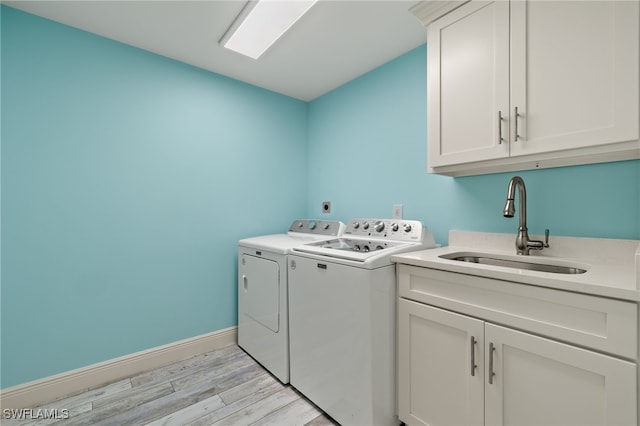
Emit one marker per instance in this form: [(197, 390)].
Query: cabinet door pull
[(517, 116), (500, 119), (492, 349), (473, 356)]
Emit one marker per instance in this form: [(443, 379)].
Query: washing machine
[(342, 300), (263, 313)]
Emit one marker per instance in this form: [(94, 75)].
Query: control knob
[(326, 226), (394, 227), (379, 226), (312, 225), (356, 225), (365, 225), (407, 227)]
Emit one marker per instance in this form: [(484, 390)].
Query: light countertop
[(613, 266)]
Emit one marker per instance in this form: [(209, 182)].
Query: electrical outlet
[(397, 211), (326, 207)]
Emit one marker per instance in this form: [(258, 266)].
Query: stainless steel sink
[(512, 263)]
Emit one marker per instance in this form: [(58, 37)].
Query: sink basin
[(496, 260)]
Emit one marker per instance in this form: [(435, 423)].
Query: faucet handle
[(546, 238)]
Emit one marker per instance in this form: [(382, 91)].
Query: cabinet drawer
[(595, 322)]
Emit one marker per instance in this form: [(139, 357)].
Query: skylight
[(261, 23)]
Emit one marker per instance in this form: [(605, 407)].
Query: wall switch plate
[(326, 207), (397, 211)]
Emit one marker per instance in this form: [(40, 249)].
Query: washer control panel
[(386, 229)]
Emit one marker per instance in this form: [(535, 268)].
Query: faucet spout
[(523, 243), (509, 207)]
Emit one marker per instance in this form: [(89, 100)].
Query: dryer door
[(259, 290)]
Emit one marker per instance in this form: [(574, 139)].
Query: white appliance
[(263, 322), (342, 320)]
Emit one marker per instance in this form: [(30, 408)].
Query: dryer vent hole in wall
[(326, 207)]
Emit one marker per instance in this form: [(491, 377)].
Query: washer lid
[(356, 250)]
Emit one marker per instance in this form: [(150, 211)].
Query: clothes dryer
[(263, 313)]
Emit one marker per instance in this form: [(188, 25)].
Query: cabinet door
[(436, 383), (543, 382), (468, 80), (574, 74)]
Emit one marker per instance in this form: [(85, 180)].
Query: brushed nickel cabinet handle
[(517, 116), (473, 356), (492, 349), (500, 119)]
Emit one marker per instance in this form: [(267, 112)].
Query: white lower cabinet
[(454, 369), (436, 383), (540, 381)]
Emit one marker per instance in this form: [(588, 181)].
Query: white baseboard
[(28, 395)]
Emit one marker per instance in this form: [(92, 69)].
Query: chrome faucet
[(523, 243)]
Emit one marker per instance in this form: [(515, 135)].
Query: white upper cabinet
[(574, 74), (468, 75), (519, 84)]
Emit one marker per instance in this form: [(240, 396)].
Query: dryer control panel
[(317, 227)]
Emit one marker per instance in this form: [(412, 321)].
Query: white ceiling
[(335, 42)]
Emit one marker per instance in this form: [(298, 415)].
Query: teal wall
[(127, 179), (377, 123)]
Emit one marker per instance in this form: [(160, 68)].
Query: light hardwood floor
[(224, 387)]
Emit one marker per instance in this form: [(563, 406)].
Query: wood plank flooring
[(224, 387)]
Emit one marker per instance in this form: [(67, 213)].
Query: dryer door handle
[(245, 282)]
